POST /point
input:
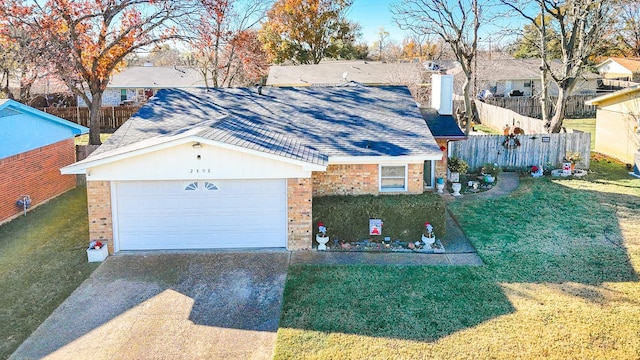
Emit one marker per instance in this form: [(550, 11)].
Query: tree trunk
[(558, 115), (543, 69), (468, 112), (94, 119)]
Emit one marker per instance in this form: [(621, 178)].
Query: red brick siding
[(360, 179), (99, 210), (441, 166), (35, 173), (299, 201)]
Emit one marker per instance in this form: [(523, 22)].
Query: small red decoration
[(98, 245), (443, 148)]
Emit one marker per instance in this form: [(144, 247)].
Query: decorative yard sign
[(375, 226), (546, 139)]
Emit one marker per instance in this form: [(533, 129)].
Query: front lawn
[(560, 282), (42, 260)]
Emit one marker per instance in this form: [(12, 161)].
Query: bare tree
[(456, 23), (383, 37), (628, 27), (580, 25)]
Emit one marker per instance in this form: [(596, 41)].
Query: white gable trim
[(155, 144)]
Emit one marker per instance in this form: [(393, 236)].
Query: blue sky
[(373, 14)]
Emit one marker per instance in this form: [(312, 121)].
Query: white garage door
[(200, 214)]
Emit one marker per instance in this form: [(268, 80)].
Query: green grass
[(560, 282), (42, 260), (584, 125), (84, 139), (347, 217), (486, 129)]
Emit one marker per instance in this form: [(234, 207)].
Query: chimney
[(442, 93)]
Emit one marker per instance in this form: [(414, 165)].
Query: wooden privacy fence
[(530, 107), (497, 117), (533, 150), (111, 117)]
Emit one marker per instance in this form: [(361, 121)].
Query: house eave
[(115, 155), (410, 159)]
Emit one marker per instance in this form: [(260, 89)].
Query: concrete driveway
[(214, 305)]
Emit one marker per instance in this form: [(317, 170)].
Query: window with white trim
[(393, 177)]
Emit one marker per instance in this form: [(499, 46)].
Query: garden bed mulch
[(395, 246)]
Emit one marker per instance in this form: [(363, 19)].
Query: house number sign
[(200, 171)]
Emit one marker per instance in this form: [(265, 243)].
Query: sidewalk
[(507, 183)]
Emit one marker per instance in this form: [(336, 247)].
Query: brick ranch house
[(238, 168), (35, 145)]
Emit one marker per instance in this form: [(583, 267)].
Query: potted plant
[(321, 236), (97, 251), (490, 172), (573, 158), (456, 166), (440, 184)]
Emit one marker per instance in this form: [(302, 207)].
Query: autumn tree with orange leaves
[(86, 41), (306, 31), (223, 44)]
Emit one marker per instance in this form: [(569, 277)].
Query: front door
[(428, 174)]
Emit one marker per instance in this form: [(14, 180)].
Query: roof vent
[(259, 89)]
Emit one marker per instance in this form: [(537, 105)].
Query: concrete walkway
[(507, 183)]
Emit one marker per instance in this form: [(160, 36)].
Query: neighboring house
[(135, 84), (503, 77), (238, 167), (35, 145), (618, 123), (414, 75), (625, 69)]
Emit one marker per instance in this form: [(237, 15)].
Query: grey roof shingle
[(307, 123), (442, 126), (333, 73)]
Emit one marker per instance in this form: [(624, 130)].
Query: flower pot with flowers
[(321, 236), (537, 171), (456, 166), (573, 158), (97, 251), (490, 172), (428, 237)]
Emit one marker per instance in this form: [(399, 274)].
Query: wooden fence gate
[(538, 149)]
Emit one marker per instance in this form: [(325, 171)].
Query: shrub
[(347, 217), (458, 165)]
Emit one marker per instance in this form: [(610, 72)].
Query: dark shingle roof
[(304, 123), (442, 126)]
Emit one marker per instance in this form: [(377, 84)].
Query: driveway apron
[(213, 305)]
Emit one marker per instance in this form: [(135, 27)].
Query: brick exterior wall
[(35, 173), (299, 202), (359, 179), (441, 166), (99, 209)]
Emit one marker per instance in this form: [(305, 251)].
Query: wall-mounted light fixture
[(197, 145)]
